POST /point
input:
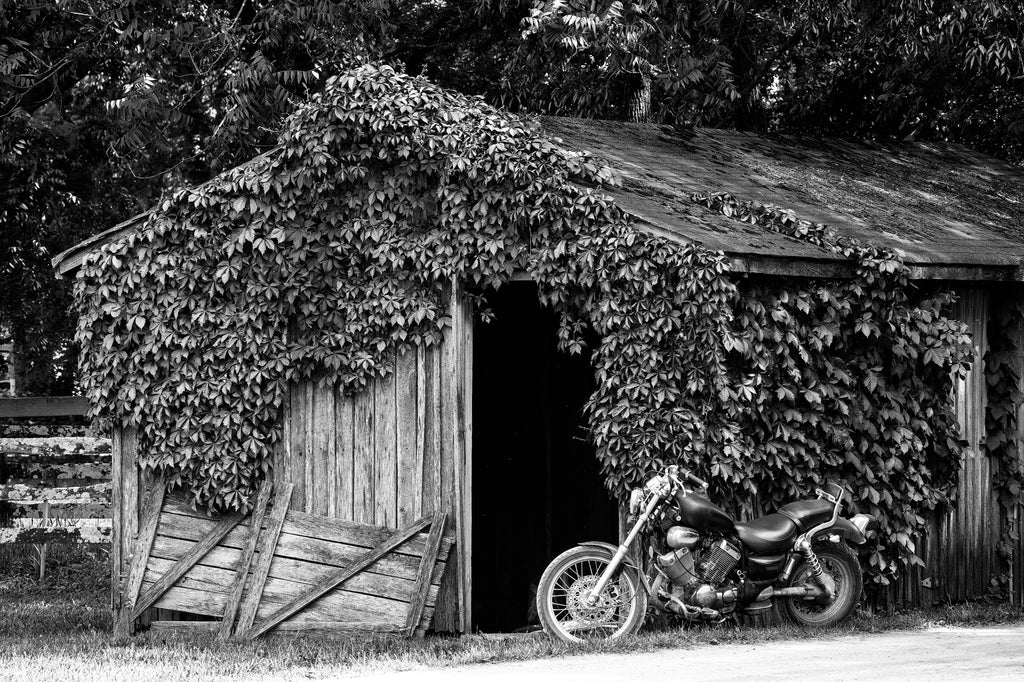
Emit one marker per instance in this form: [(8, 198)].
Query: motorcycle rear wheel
[(562, 593), (839, 561)]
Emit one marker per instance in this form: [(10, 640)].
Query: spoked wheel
[(840, 562), (567, 583)]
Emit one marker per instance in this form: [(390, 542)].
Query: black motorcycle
[(698, 563)]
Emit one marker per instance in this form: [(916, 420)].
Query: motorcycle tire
[(563, 588), (839, 561)]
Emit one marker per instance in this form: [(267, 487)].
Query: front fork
[(620, 553)]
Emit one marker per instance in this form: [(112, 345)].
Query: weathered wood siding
[(306, 549), (402, 449), (392, 453), (1017, 517), (959, 549), (125, 505)]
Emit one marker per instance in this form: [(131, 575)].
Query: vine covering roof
[(934, 204)]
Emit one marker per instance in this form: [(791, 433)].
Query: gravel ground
[(937, 653)]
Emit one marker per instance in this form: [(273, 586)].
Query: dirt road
[(990, 653)]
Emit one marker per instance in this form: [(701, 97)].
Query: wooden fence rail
[(53, 489), (50, 406)]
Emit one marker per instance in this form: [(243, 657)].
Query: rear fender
[(842, 528)]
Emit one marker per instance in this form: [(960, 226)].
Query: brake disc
[(601, 612)]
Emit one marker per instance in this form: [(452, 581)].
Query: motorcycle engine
[(698, 569), (717, 561)]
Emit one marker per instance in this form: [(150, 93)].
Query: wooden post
[(124, 508), (464, 461), (116, 556), (44, 548), (123, 615)]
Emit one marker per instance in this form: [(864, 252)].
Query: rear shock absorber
[(820, 577), (812, 560)]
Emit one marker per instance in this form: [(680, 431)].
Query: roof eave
[(834, 267), (65, 264)]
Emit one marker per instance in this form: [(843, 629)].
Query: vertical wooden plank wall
[(394, 452), (970, 532), (1010, 297), (959, 549)]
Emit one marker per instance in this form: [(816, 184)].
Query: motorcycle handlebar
[(696, 481), (675, 472)]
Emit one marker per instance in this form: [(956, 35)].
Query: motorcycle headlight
[(636, 500)]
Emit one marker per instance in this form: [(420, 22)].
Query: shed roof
[(950, 212), (947, 210)]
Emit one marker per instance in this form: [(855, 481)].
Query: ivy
[(849, 380), (1002, 441), (331, 252)]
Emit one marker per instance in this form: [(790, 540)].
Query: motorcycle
[(698, 563)]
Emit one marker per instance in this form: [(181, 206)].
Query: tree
[(105, 104), (933, 69), (929, 69)]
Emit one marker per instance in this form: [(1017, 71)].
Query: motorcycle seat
[(808, 513), (772, 534)]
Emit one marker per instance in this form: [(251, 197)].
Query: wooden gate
[(281, 569)]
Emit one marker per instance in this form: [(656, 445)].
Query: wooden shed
[(487, 426)]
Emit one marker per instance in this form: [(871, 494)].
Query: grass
[(60, 631)]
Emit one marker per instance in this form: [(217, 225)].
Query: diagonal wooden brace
[(245, 561), (183, 565), (335, 579), (254, 582), (425, 573)]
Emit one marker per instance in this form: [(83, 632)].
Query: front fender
[(844, 529)]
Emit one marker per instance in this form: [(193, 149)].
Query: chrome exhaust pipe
[(804, 591)]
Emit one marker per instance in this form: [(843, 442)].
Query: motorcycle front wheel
[(840, 562), (564, 588)]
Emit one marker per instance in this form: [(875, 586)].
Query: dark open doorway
[(537, 488)]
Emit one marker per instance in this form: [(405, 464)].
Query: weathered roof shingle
[(935, 204)]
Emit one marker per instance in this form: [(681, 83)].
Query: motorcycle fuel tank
[(679, 537), (700, 513)]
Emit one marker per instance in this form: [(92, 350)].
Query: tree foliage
[(323, 257), (121, 100), (104, 104), (933, 69)]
